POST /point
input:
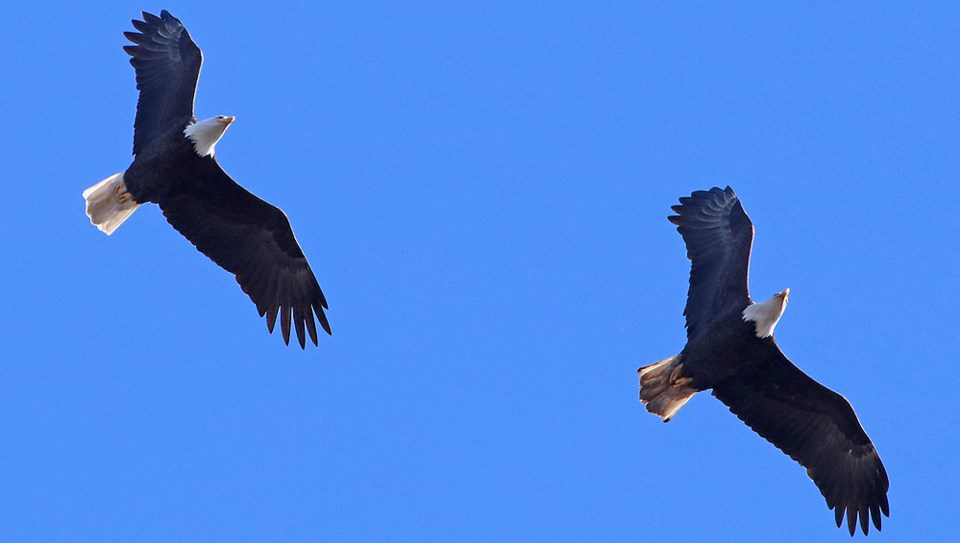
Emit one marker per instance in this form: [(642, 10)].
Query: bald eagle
[(731, 350), (176, 168)]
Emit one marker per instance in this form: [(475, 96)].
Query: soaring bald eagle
[(175, 167), (731, 350)]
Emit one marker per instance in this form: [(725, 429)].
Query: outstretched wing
[(168, 65), (253, 240), (816, 427), (718, 235)]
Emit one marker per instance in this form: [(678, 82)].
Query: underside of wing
[(718, 236), (167, 62), (816, 427), (254, 241)]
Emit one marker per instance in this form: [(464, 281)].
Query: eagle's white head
[(206, 133), (767, 314)]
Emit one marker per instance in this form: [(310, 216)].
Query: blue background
[(481, 189)]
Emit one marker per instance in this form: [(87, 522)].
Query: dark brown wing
[(816, 427), (718, 235), (168, 65), (252, 240)]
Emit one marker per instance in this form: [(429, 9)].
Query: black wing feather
[(167, 62), (254, 241), (816, 427), (718, 235)]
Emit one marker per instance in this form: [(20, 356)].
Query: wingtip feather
[(285, 323)]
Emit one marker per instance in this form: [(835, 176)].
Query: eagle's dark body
[(167, 167), (729, 348)]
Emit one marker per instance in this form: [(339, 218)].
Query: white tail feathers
[(663, 388), (106, 212)]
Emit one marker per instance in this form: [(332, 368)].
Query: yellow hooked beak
[(784, 294)]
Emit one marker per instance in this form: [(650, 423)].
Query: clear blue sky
[(482, 190)]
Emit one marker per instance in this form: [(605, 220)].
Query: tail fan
[(663, 388), (106, 212)]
